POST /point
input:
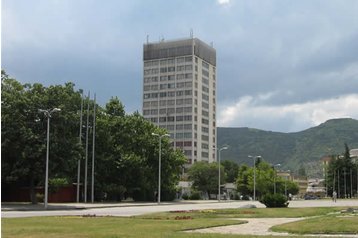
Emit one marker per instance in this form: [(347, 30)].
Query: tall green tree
[(231, 169), (205, 177)]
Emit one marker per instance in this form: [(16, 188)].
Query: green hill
[(289, 149)]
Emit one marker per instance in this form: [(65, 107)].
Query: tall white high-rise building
[(179, 94)]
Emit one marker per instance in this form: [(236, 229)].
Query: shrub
[(185, 196), (274, 200), (195, 195)]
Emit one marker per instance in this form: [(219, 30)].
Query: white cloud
[(250, 111), (223, 2)]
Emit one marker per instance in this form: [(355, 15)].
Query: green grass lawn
[(322, 225), (248, 213), (169, 224)]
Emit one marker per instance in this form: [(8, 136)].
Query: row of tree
[(205, 178), (126, 155), (342, 175)]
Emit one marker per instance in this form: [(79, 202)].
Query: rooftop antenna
[(191, 33), (212, 44), (162, 39), (147, 39)]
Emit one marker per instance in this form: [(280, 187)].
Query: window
[(180, 85), (170, 110), (171, 102), (163, 70), (146, 88), (205, 113), (146, 95), (179, 135), (204, 146), (188, 84), (154, 87), (171, 69), (204, 137), (180, 76), (154, 103), (162, 119), (180, 93), (147, 79), (179, 127), (171, 85), (154, 111), (205, 129), (171, 77), (170, 127), (187, 118), (205, 105), (205, 81), (204, 154), (180, 60), (146, 104), (181, 68), (154, 95), (188, 109), (163, 78), (164, 86), (189, 76), (188, 101), (205, 89), (154, 119), (188, 67), (155, 79), (187, 135), (188, 59), (146, 112), (187, 127), (204, 72), (155, 71), (180, 101), (188, 92), (204, 121), (187, 143), (163, 103), (171, 61), (163, 111), (163, 94), (205, 65), (171, 94), (205, 97)]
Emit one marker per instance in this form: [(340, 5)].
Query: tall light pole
[(345, 182), (86, 154), (254, 157), (274, 177), (79, 160), (93, 148), (48, 114), (160, 161), (222, 148)]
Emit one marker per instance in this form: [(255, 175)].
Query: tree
[(264, 181), (205, 177), (231, 169)]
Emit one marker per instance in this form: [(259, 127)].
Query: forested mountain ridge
[(289, 149)]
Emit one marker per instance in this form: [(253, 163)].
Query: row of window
[(167, 111), (154, 79), (168, 61), (168, 69), (169, 94)]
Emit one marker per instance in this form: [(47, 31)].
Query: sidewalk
[(20, 206)]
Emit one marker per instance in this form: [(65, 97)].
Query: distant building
[(179, 94)]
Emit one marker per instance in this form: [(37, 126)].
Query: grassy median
[(172, 224)]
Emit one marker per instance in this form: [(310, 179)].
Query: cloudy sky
[(282, 65)]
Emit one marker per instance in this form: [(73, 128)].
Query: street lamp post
[(219, 192), (274, 177), (47, 113), (160, 161), (254, 157)]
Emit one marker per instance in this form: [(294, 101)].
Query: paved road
[(133, 209)]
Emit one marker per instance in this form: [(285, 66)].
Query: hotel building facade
[(179, 94)]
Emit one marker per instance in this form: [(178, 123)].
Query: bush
[(274, 200), (185, 196), (195, 195)]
